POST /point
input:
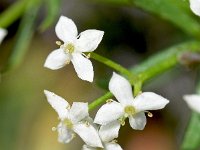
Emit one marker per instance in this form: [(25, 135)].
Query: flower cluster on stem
[(103, 131)]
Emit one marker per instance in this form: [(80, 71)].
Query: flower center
[(68, 123), (129, 110), (70, 47)]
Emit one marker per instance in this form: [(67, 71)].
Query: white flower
[(3, 33), (133, 108), (73, 119), (107, 134), (195, 6), (73, 48), (193, 102)]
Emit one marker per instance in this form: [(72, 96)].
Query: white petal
[(138, 121), (64, 135), (83, 67), (78, 111), (86, 147), (121, 89), (109, 112), (58, 103), (110, 131), (193, 102), (149, 101), (112, 146), (195, 6), (89, 40), (66, 29), (56, 59), (3, 33), (88, 134)]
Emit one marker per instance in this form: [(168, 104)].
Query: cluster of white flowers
[(101, 132)]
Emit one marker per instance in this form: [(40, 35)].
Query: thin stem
[(100, 101), (164, 60), (113, 65), (154, 66)]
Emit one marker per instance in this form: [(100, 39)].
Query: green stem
[(12, 13), (164, 60), (111, 64), (100, 101), (154, 66)]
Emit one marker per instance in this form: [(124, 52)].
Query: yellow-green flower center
[(130, 110), (68, 48), (68, 123)]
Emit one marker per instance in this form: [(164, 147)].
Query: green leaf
[(192, 136), (12, 13), (53, 9), (24, 36), (175, 11)]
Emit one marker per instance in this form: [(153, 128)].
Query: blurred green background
[(131, 35)]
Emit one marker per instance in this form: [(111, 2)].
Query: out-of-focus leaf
[(13, 13), (53, 9), (192, 137), (24, 36), (175, 11)]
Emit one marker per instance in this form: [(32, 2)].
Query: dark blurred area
[(131, 35)]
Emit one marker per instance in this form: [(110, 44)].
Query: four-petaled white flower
[(73, 48), (107, 134), (133, 108), (73, 120), (193, 102), (3, 33), (195, 6)]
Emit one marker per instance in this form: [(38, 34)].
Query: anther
[(109, 101), (54, 129), (68, 107), (88, 55), (87, 123), (114, 141), (58, 43), (67, 62), (149, 114)]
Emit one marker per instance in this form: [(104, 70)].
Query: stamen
[(67, 62), (73, 135), (122, 121), (149, 114), (109, 101), (68, 107), (54, 129), (114, 141), (87, 123), (59, 43), (88, 55)]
